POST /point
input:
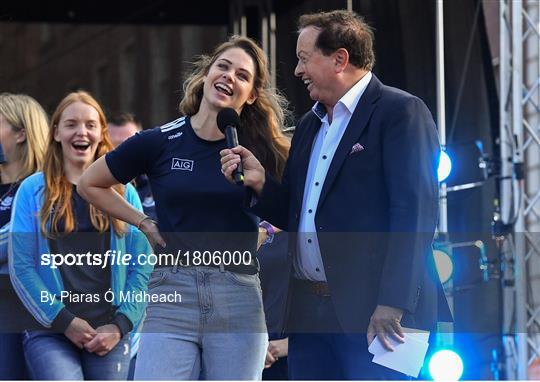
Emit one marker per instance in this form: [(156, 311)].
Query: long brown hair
[(264, 118), (58, 190)]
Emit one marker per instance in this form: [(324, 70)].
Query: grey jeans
[(217, 330)]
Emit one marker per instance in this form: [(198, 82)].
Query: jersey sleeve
[(135, 155)]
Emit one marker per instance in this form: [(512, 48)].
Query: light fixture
[(445, 365)]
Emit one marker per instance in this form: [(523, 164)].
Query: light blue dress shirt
[(308, 263)]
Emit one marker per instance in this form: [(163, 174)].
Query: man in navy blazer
[(360, 199)]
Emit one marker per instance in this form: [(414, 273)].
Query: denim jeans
[(216, 332), (14, 319), (12, 365), (52, 356)]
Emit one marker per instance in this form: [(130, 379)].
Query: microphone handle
[(232, 141)]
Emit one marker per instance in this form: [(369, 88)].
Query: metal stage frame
[(519, 98)]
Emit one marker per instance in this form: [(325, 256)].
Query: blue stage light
[(445, 166), (445, 365), (444, 265)]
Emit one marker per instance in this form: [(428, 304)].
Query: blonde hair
[(23, 112), (265, 117), (58, 191)]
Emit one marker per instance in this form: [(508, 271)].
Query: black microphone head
[(227, 117)]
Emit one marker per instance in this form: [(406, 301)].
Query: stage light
[(444, 265), (469, 165), (445, 166), (446, 365)]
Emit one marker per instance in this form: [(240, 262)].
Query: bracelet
[(143, 219), (270, 232)]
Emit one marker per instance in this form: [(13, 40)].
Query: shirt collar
[(349, 99)]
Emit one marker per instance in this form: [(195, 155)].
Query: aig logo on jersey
[(182, 164)]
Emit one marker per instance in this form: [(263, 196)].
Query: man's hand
[(385, 323), (276, 350), (106, 339), (269, 361), (80, 332), (263, 234), (254, 174), (279, 348)]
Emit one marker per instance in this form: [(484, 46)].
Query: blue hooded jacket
[(27, 244)]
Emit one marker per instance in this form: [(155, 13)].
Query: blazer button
[(417, 295), (320, 228)]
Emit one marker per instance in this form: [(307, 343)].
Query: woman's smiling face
[(79, 133), (230, 80)]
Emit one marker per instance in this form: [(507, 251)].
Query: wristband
[(142, 221), (270, 232)]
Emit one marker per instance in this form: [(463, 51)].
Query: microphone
[(228, 121)]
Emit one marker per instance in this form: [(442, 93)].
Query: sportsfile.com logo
[(182, 164)]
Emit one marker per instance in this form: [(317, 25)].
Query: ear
[(21, 136), (56, 137), (252, 97), (341, 59)]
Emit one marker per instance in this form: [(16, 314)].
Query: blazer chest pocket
[(357, 149), (362, 160)]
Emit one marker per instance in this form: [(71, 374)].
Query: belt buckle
[(321, 289), (179, 263)]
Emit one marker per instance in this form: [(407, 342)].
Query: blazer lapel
[(356, 126)]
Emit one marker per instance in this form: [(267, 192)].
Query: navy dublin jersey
[(196, 207)]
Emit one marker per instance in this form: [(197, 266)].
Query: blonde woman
[(83, 336), (218, 330), (23, 140)]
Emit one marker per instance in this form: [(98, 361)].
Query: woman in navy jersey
[(23, 137), (84, 321), (204, 232)]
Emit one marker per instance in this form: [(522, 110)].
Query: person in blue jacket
[(80, 300), (23, 141)]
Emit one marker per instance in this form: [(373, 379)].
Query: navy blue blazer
[(377, 212)]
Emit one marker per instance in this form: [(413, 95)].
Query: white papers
[(408, 357)]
